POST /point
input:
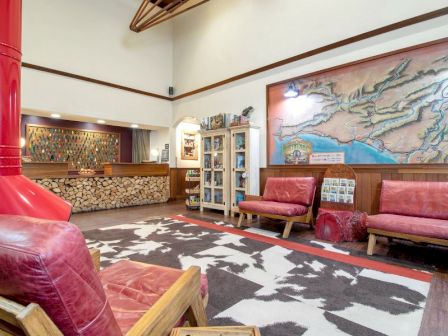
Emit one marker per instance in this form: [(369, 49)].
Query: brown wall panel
[(177, 183), (369, 179)]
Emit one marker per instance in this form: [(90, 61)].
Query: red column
[(10, 57), (18, 194)]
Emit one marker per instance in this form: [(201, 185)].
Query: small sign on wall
[(327, 158), (165, 157)]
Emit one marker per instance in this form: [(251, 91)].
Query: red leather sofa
[(47, 263), (416, 211), (287, 198)]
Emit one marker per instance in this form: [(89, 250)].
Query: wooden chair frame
[(183, 297), (373, 233), (307, 218)]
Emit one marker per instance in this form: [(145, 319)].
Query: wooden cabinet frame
[(212, 170), (251, 167)]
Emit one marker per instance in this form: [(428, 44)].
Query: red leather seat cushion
[(427, 227), (132, 288), (47, 262), (411, 198), (274, 208), (297, 190)]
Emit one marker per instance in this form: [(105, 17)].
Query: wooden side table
[(341, 225), (217, 331)]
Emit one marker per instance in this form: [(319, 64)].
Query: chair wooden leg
[(240, 220), (249, 219), (196, 313), (371, 244), (311, 223), (287, 230)]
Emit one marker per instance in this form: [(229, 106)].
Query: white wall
[(224, 38), (232, 98), (44, 93), (92, 38), (158, 139), (186, 126)]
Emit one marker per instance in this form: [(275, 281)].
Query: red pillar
[(18, 194), (10, 56)]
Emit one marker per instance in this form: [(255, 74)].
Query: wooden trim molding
[(372, 33), (385, 29), (363, 60), (402, 168), (93, 80)]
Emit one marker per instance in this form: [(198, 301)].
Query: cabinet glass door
[(207, 144), (240, 141), (218, 196), (207, 178), (239, 166), (218, 143), (207, 195)]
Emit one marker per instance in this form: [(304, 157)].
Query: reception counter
[(121, 185)]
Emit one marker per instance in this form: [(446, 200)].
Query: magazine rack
[(339, 193)]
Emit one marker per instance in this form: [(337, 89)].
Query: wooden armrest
[(183, 297), (95, 254), (32, 320), (253, 198)]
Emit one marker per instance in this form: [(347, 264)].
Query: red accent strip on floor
[(348, 259)]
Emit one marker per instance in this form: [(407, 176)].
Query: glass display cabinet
[(245, 164), (215, 177)]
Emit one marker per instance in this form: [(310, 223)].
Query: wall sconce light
[(292, 91), (155, 153), (22, 142)]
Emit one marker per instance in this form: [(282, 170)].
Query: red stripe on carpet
[(348, 259)]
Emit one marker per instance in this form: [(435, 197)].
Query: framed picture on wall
[(386, 109), (189, 145)]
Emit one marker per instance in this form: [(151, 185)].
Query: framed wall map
[(80, 148), (386, 109), (189, 145)]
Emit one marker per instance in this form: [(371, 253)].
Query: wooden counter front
[(44, 169), (136, 169)]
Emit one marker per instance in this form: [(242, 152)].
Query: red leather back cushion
[(420, 199), (297, 190), (47, 262)]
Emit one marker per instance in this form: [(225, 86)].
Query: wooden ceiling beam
[(144, 20), (166, 11), (139, 12), (145, 14)]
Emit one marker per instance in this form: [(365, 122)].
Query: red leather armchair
[(411, 210), (287, 198), (49, 286)]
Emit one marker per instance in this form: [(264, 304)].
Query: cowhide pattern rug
[(282, 291)]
